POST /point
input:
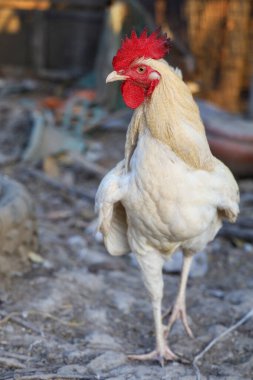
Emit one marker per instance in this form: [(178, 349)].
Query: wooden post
[(38, 41), (234, 53), (205, 31), (250, 108), (160, 12)]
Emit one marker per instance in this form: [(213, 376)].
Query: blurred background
[(61, 129), (66, 48)]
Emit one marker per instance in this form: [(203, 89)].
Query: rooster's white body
[(169, 192)]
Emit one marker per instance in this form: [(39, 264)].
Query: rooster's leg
[(151, 267), (179, 309)]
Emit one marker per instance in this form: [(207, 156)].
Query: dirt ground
[(77, 312)]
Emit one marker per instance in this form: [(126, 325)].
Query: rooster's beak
[(115, 76)]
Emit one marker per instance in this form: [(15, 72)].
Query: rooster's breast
[(166, 202)]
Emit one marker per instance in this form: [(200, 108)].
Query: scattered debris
[(11, 363), (47, 140), (35, 258), (70, 311), (243, 320), (73, 191)]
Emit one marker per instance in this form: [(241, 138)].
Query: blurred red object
[(52, 102), (86, 94)]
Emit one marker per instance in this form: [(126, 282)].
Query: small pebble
[(106, 362)]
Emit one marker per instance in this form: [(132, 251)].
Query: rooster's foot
[(178, 312), (159, 355)]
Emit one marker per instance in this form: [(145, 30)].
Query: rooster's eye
[(141, 69)]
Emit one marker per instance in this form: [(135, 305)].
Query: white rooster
[(169, 191)]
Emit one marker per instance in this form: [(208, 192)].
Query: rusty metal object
[(230, 138)]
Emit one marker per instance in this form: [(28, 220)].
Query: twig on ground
[(59, 214), (245, 222), (53, 376), (8, 161), (25, 324), (90, 166), (217, 339), (43, 314), (247, 197), (14, 355), (74, 191), (237, 232), (11, 363)]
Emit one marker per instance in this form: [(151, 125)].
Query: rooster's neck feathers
[(172, 117)]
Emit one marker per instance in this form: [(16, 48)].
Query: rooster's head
[(139, 79)]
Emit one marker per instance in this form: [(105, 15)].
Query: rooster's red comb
[(154, 46)]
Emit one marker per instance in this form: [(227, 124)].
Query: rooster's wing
[(112, 221)]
